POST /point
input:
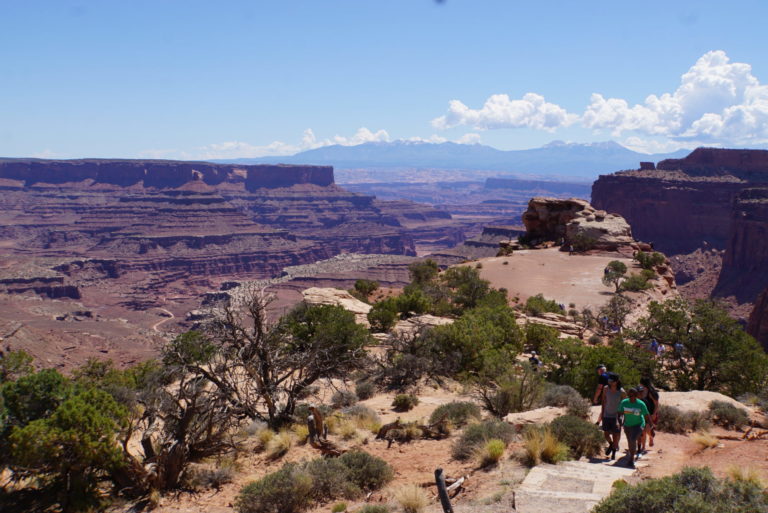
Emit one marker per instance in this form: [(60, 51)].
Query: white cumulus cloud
[(499, 111), (718, 101)]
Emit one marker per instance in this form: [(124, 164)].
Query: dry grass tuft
[(705, 440), (749, 475), (541, 445), (411, 498), (279, 445), (491, 452)]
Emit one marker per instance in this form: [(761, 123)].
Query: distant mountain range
[(556, 158)]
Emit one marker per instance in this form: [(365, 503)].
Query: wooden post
[(445, 502)]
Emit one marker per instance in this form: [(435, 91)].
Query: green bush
[(537, 305), (383, 315), (458, 413), (365, 390), (293, 488), (343, 398), (727, 415), (491, 452), (538, 335), (649, 260), (582, 437), (692, 490), (373, 508), (476, 435), (405, 402), (339, 507), (289, 490), (412, 303), (636, 283), (675, 420), (367, 472)]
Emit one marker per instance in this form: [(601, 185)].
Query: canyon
[(138, 243), (709, 212)]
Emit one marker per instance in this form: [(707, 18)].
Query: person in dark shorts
[(650, 396), (635, 417), (609, 414)]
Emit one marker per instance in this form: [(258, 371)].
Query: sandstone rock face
[(675, 213), (336, 297), (758, 320), (569, 219), (414, 325)]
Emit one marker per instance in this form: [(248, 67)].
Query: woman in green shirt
[(635, 415)]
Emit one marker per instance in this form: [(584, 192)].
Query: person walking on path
[(650, 396), (602, 382), (635, 418), (609, 414)]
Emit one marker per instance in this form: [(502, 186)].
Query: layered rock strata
[(709, 200), (758, 320)]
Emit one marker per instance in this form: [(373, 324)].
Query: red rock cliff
[(751, 165), (758, 321), (161, 173)]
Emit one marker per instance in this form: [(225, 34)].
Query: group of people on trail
[(635, 409)]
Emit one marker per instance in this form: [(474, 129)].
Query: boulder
[(418, 323), (572, 221), (337, 297)]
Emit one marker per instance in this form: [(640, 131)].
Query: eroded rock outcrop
[(573, 220), (336, 297)]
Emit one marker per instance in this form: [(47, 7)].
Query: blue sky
[(204, 79)]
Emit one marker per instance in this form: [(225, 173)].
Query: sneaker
[(631, 464), (613, 453)]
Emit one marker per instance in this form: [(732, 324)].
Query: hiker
[(654, 348), (570, 250), (650, 396), (609, 414), (634, 414), (534, 361), (602, 382)]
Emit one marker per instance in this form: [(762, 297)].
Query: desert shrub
[(405, 402), (208, 477), (412, 498), (330, 480), (347, 430), (727, 415), (582, 437), (538, 304), (365, 288), (693, 489), (675, 420), (649, 260), (383, 315), (635, 283), (594, 340), (507, 390), (476, 435), (373, 508), (289, 490), (293, 488), (343, 398), (365, 390), (339, 507), (263, 436), (582, 242), (491, 452), (458, 413), (367, 472), (363, 416), (542, 445), (560, 395), (279, 445), (581, 409), (413, 302)]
